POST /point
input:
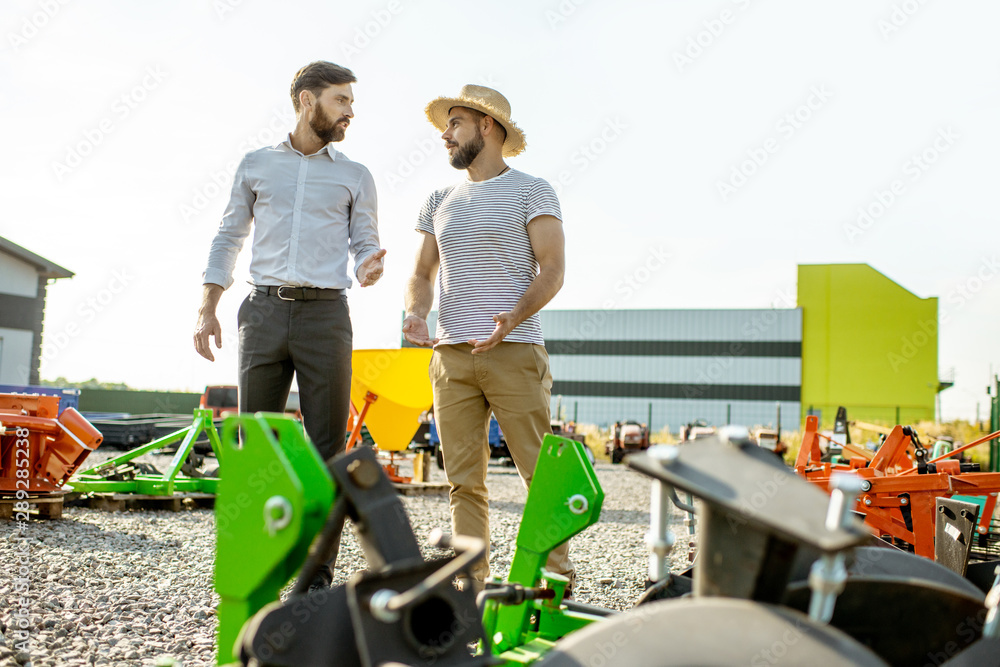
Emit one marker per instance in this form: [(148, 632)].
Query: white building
[(24, 277)]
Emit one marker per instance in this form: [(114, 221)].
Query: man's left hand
[(505, 324), (371, 269)]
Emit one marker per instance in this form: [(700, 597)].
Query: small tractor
[(627, 437)]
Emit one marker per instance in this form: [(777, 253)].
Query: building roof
[(45, 268)]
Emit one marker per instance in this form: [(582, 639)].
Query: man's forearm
[(210, 298), (419, 296), (541, 290)]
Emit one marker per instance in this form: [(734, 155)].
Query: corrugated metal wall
[(610, 365), (680, 364)]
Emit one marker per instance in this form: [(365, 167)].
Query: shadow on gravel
[(74, 534), (634, 517), (631, 517), (507, 506)]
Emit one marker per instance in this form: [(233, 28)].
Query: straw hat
[(484, 99)]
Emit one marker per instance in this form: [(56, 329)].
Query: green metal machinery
[(782, 572), (120, 474), (273, 502)]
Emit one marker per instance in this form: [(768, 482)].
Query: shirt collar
[(328, 149)]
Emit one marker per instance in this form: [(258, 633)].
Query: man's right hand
[(415, 331), (208, 325)]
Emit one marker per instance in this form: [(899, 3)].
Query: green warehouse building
[(867, 344)]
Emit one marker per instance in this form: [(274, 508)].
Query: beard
[(326, 129), (466, 154)]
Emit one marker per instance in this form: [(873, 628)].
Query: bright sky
[(738, 138)]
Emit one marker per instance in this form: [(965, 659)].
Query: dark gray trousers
[(310, 339)]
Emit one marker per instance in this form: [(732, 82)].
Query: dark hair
[(316, 76), (479, 115)]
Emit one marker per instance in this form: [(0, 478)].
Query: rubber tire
[(617, 455)]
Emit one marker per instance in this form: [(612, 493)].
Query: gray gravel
[(132, 588)]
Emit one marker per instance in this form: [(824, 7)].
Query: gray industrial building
[(672, 367)]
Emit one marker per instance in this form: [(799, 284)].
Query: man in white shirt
[(497, 238), (308, 206)]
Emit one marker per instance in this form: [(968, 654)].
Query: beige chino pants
[(512, 381)]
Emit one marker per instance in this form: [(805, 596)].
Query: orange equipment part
[(36, 438), (896, 501)]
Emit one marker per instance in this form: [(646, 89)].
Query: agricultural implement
[(784, 571), (390, 389), (39, 447), (903, 487), (123, 474)]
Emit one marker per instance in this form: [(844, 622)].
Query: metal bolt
[(363, 472), (903, 501), (868, 502), (941, 509), (277, 514), (578, 504), (866, 485), (378, 604)]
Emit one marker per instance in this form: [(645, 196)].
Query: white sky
[(120, 115)]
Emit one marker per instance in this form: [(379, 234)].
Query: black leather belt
[(291, 293)]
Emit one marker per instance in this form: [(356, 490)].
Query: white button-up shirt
[(307, 212)]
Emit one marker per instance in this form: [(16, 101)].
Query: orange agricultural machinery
[(900, 487), (39, 448)]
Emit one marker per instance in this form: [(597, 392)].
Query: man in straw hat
[(496, 242)]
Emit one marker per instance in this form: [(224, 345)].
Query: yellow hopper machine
[(390, 389)]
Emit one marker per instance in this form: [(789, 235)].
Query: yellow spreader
[(389, 391)]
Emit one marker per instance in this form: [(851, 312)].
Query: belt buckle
[(284, 298)]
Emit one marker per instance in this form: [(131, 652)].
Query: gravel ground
[(132, 587)]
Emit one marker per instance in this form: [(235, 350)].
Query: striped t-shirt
[(487, 263)]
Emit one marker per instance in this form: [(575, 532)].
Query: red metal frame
[(894, 485)]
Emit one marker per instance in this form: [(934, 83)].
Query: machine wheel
[(886, 561), (927, 617), (754, 633), (617, 455)]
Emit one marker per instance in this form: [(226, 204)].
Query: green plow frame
[(564, 499), (94, 480), (274, 498), (277, 494)]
